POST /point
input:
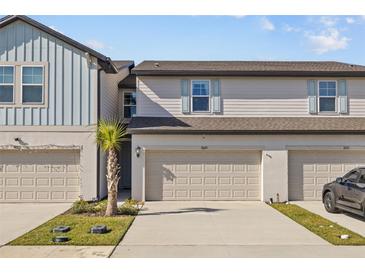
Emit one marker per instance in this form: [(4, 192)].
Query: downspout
[(98, 150)]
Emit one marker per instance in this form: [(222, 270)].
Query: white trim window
[(327, 96), (129, 103), (7, 84), (32, 84), (200, 96)]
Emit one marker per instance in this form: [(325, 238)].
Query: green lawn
[(79, 234), (324, 228)]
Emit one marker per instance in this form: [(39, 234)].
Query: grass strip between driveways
[(324, 228), (80, 231)]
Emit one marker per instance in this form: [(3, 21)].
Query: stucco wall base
[(274, 175), (274, 150)]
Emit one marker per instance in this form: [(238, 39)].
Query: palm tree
[(109, 136)]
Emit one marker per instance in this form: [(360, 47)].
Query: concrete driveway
[(347, 220), (217, 229), (17, 219)]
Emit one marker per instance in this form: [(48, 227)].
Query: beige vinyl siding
[(356, 94), (158, 96), (259, 97), (110, 94), (250, 96)]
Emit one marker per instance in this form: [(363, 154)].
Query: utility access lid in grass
[(329, 231), (79, 233)]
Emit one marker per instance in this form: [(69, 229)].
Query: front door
[(125, 165)]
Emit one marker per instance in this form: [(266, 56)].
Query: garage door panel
[(27, 182), (43, 168), (72, 195), (39, 176), (11, 182), (191, 175), (27, 195), (72, 182), (310, 170), (11, 195)]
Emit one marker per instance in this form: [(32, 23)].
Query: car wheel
[(329, 202)]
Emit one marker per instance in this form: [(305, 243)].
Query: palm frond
[(109, 134)]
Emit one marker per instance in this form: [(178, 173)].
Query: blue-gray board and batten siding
[(72, 79)]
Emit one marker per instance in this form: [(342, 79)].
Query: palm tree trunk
[(112, 180)]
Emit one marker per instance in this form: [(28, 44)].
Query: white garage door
[(203, 175), (310, 170), (47, 176)]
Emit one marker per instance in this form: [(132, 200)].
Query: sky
[(138, 38)]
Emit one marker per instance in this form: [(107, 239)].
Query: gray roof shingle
[(249, 68), (249, 125)]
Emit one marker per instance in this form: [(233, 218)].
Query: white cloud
[(288, 28), (350, 20), (95, 44), (329, 40), (266, 24), (328, 21), (239, 16)]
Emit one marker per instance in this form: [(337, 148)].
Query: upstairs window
[(32, 85), (200, 96), (6, 84), (327, 96), (129, 104)]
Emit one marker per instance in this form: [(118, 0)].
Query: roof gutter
[(250, 73), (243, 132), (108, 65)]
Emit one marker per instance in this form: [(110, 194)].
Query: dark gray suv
[(346, 193)]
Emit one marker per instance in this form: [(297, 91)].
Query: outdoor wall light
[(138, 151)]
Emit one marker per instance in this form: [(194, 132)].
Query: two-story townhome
[(53, 90), (198, 130), (245, 130)]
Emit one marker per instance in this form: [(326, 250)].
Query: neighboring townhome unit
[(53, 90), (245, 130)]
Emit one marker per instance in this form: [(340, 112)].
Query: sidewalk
[(55, 251)]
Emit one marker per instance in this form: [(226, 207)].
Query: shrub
[(100, 206), (131, 201), (127, 209), (81, 206), (134, 203)]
